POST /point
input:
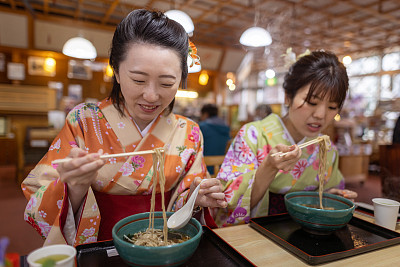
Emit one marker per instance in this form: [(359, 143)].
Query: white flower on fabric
[(99, 183), (59, 204), (112, 160), (252, 133), (94, 207), (42, 214), (178, 169), (121, 125), (108, 125)]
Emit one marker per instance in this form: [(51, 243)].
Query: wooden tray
[(357, 237)]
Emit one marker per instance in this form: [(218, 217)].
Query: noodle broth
[(155, 238)]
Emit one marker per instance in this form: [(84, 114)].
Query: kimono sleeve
[(47, 202), (237, 175)]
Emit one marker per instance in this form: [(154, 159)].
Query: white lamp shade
[(256, 37), (194, 68), (80, 48), (182, 18)]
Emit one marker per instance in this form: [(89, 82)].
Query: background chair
[(389, 161), (214, 161)]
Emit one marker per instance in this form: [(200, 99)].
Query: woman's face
[(149, 78), (309, 118)]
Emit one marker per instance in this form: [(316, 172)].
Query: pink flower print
[(32, 203), (59, 203), (310, 149), (169, 121), (90, 239), (73, 144), (127, 169), (241, 131), (196, 133), (138, 162), (228, 194), (112, 160), (178, 169), (235, 185), (179, 203), (185, 155), (315, 164), (299, 168), (261, 153), (137, 182), (108, 125), (44, 227), (42, 214), (99, 183), (56, 145), (121, 125), (243, 152), (88, 232)]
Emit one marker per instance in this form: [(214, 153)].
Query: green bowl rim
[(341, 199), (157, 214)]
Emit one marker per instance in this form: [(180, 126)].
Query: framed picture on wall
[(41, 66), (3, 126), (78, 69)]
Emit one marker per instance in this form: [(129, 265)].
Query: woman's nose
[(150, 94), (320, 111)]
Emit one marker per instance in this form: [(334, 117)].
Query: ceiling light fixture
[(79, 47), (182, 18), (255, 36)]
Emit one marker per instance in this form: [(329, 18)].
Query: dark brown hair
[(325, 74), (147, 27)]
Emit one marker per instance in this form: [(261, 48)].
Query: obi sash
[(116, 207), (276, 204)]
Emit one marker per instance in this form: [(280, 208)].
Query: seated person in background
[(396, 132), (262, 111), (256, 182), (79, 201), (215, 131)]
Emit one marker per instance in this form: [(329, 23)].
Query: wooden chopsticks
[(316, 140), (111, 155)]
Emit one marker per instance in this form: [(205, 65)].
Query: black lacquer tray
[(357, 237), (212, 251)]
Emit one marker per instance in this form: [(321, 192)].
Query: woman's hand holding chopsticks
[(79, 173)]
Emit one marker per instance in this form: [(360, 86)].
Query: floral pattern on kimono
[(249, 148), (94, 126)]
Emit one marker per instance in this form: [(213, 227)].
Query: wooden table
[(262, 251)]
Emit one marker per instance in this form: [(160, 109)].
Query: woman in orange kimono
[(79, 201)]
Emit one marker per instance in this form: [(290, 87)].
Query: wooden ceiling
[(342, 26)]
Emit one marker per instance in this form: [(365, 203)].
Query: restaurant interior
[(40, 82)]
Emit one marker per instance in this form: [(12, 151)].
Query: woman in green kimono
[(255, 182)]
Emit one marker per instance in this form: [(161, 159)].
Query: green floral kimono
[(251, 145)]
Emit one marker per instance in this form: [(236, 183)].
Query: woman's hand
[(270, 166), (79, 173), (344, 193), (210, 193)]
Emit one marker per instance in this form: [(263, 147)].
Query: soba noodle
[(156, 237), (324, 146)]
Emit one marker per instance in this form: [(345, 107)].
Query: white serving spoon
[(181, 217)]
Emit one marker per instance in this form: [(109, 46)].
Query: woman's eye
[(312, 104), (333, 108), (167, 85), (138, 81)]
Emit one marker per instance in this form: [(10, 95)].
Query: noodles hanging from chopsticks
[(324, 146)]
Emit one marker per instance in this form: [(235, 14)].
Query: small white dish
[(53, 250)]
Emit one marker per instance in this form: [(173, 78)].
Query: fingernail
[(292, 147)]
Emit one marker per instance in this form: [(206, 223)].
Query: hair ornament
[(290, 57), (195, 59)]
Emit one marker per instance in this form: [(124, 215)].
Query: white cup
[(53, 250), (386, 212)]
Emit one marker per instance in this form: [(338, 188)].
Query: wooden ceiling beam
[(110, 10)]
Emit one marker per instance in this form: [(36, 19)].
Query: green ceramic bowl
[(171, 255), (314, 218)]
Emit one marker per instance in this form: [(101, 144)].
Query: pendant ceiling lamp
[(182, 18), (255, 36), (79, 47)]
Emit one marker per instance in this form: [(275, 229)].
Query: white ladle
[(181, 217)]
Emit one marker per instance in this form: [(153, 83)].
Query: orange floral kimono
[(91, 127)]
